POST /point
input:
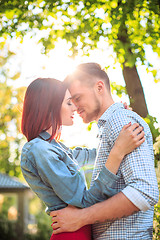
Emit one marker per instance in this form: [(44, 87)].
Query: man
[(128, 214)]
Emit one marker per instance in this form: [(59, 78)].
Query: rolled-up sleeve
[(139, 175), (68, 184)]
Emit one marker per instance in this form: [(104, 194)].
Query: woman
[(50, 168)]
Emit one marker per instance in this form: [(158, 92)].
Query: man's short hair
[(88, 73)]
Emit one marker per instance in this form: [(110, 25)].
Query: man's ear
[(100, 86)]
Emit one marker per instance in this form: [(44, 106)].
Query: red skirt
[(83, 233)]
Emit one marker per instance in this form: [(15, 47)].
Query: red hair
[(41, 107)]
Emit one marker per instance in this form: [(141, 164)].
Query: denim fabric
[(54, 175)]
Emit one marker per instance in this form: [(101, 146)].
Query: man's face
[(86, 100)]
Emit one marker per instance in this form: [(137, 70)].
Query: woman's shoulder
[(35, 143), (41, 145)]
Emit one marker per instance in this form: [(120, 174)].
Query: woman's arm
[(68, 184), (58, 172), (84, 156), (130, 137)]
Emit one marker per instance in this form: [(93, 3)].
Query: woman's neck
[(57, 134), (49, 130)]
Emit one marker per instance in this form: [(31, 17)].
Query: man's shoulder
[(121, 117), (124, 116)]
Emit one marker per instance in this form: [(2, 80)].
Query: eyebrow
[(74, 96)]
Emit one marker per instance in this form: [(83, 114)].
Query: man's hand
[(71, 219), (66, 220)]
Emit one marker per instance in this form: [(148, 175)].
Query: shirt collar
[(44, 135), (107, 114)]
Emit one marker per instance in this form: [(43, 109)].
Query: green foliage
[(43, 222), (156, 231), (157, 145), (44, 229), (152, 122), (89, 126), (7, 230), (157, 149), (44, 226), (88, 170), (156, 223), (10, 101), (127, 25), (8, 227), (119, 90), (8, 202)]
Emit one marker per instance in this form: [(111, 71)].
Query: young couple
[(120, 202)]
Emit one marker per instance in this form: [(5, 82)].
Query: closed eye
[(69, 103), (77, 99)]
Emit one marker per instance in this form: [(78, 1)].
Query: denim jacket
[(52, 172)]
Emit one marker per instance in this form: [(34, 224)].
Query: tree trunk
[(130, 74), (135, 90)]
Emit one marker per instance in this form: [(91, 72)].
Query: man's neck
[(105, 105)]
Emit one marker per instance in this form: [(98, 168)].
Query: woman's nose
[(74, 108)]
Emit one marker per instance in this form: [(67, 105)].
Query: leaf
[(16, 76)]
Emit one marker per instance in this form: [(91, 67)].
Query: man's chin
[(85, 120)]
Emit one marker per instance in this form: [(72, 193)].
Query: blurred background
[(44, 38)]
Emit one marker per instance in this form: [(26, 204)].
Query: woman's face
[(67, 110)]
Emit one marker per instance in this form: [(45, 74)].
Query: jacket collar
[(44, 135)]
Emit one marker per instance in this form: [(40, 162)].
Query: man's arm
[(122, 204), (137, 169), (71, 219)]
